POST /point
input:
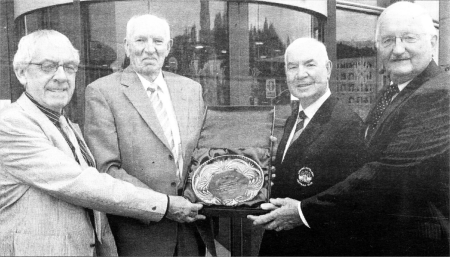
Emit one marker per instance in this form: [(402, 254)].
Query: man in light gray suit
[(48, 180), (142, 125)]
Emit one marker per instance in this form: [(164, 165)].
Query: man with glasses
[(402, 192), (48, 181)]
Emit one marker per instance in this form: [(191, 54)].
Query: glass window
[(234, 49), (271, 30), (356, 79)]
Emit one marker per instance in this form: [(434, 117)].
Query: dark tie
[(381, 106), (74, 142), (300, 121), (300, 124)]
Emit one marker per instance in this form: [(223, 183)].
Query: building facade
[(234, 49)]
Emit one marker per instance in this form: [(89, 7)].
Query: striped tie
[(164, 121), (79, 147), (299, 128), (85, 159)]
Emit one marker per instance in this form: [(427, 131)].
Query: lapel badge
[(305, 176)]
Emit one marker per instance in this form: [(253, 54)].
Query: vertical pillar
[(444, 34), (240, 81), (76, 106), (330, 34), (5, 83)]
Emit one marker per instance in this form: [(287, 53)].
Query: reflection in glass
[(356, 60), (232, 48)]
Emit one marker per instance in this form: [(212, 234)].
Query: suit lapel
[(316, 126), (48, 127), (405, 94), (135, 92), (180, 106), (287, 131)]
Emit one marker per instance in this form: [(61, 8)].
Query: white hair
[(407, 8), (28, 44), (307, 42), (147, 18)]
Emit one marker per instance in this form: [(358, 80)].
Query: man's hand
[(181, 210), (284, 215)]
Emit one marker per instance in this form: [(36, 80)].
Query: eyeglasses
[(407, 38), (52, 67)]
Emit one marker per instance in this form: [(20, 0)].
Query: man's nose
[(301, 73), (150, 46), (60, 74), (399, 46)]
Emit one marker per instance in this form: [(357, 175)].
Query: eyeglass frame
[(403, 39), (55, 66)]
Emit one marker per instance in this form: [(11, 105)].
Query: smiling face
[(52, 90), (147, 44), (307, 71), (405, 60)]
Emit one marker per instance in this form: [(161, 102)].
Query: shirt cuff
[(167, 209), (301, 215)]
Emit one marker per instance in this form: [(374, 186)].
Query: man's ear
[(125, 46), (169, 45), (434, 40), (21, 76), (329, 66)]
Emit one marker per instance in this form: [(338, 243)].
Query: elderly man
[(47, 176), (321, 142), (142, 125), (402, 192)]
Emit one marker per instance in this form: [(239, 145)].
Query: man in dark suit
[(142, 125), (402, 192), (323, 141)]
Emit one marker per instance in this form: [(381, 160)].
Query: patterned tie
[(300, 121), (381, 106), (84, 158), (299, 128), (80, 149), (164, 121)]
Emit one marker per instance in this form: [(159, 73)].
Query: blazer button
[(92, 245), (170, 157), (173, 184)]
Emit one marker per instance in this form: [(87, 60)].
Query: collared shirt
[(168, 105), (54, 118), (400, 88), (310, 111)]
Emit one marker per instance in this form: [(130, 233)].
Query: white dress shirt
[(309, 111), (167, 102)]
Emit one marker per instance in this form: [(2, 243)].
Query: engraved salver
[(228, 180)]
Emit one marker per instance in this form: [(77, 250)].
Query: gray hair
[(28, 44), (306, 41), (148, 18), (407, 8)]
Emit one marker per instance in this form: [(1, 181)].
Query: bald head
[(307, 43), (307, 70), (406, 10)]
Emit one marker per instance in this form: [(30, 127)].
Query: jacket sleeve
[(101, 137), (408, 170), (30, 157)]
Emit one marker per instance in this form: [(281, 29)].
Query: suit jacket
[(402, 191), (44, 191), (329, 147), (128, 142)]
